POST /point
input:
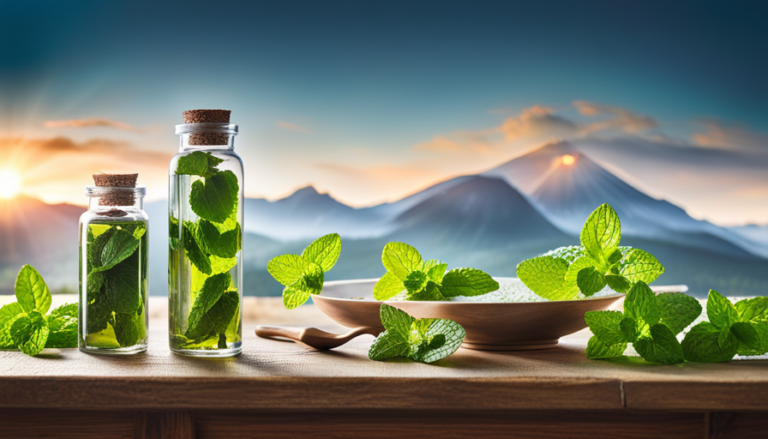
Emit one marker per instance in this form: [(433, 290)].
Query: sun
[(10, 183), (568, 159)]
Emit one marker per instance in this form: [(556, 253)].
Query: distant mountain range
[(490, 221)]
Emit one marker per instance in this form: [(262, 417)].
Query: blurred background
[(482, 133)]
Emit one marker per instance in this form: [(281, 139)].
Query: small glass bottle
[(205, 273), (114, 251)]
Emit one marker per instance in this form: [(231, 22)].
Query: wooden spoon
[(313, 337)]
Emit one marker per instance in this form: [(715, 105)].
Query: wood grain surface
[(281, 375)]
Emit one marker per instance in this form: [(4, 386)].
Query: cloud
[(291, 127), (620, 119), (737, 137), (536, 122), (91, 122), (56, 169), (539, 124)]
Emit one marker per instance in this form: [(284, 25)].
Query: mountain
[(44, 235), (308, 213), (753, 232), (566, 193)]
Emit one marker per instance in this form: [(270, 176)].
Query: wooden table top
[(282, 375)]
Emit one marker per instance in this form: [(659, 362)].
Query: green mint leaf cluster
[(427, 280), (24, 325), (564, 272), (732, 329), (423, 340), (116, 284), (304, 275), (211, 244), (649, 322)]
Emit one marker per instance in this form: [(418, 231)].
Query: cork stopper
[(207, 116), (117, 197)]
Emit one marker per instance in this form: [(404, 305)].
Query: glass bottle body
[(114, 275), (205, 250)]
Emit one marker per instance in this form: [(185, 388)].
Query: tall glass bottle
[(205, 224), (113, 272)]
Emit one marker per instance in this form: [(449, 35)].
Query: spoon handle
[(267, 331)]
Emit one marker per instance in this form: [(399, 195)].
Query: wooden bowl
[(489, 326)]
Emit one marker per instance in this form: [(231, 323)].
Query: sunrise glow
[(568, 160), (10, 183)]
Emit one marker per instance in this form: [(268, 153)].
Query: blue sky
[(372, 101)]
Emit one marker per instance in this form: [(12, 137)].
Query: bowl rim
[(444, 302)]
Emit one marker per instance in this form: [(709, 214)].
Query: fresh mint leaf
[(324, 251), (95, 281), (601, 232), (437, 272), (629, 328), (752, 310), (96, 246), (569, 253), (194, 253), (431, 292), (678, 310), (30, 332), (388, 287), (597, 350), (288, 269), (701, 345), (123, 285), (216, 198), (545, 276), (467, 282), (397, 322), (126, 329), (617, 283), (662, 347), (62, 326), (197, 163), (640, 304), (441, 339), (9, 312), (720, 310), (613, 256), (400, 259), (213, 242), (761, 327), (640, 266), (415, 281), (606, 326), (214, 321), (311, 282), (97, 315), (386, 346), (590, 281), (222, 265), (211, 291), (31, 291), (425, 340), (746, 333), (121, 245)]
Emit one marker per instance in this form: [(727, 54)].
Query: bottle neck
[(193, 142)]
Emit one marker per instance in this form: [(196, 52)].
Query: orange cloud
[(621, 119), (92, 122), (57, 169), (291, 127), (737, 137)]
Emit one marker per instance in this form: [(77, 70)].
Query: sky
[(372, 101)]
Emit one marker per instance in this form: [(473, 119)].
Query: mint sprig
[(740, 328), (564, 272), (427, 280), (304, 275), (24, 325), (649, 322), (423, 340)]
